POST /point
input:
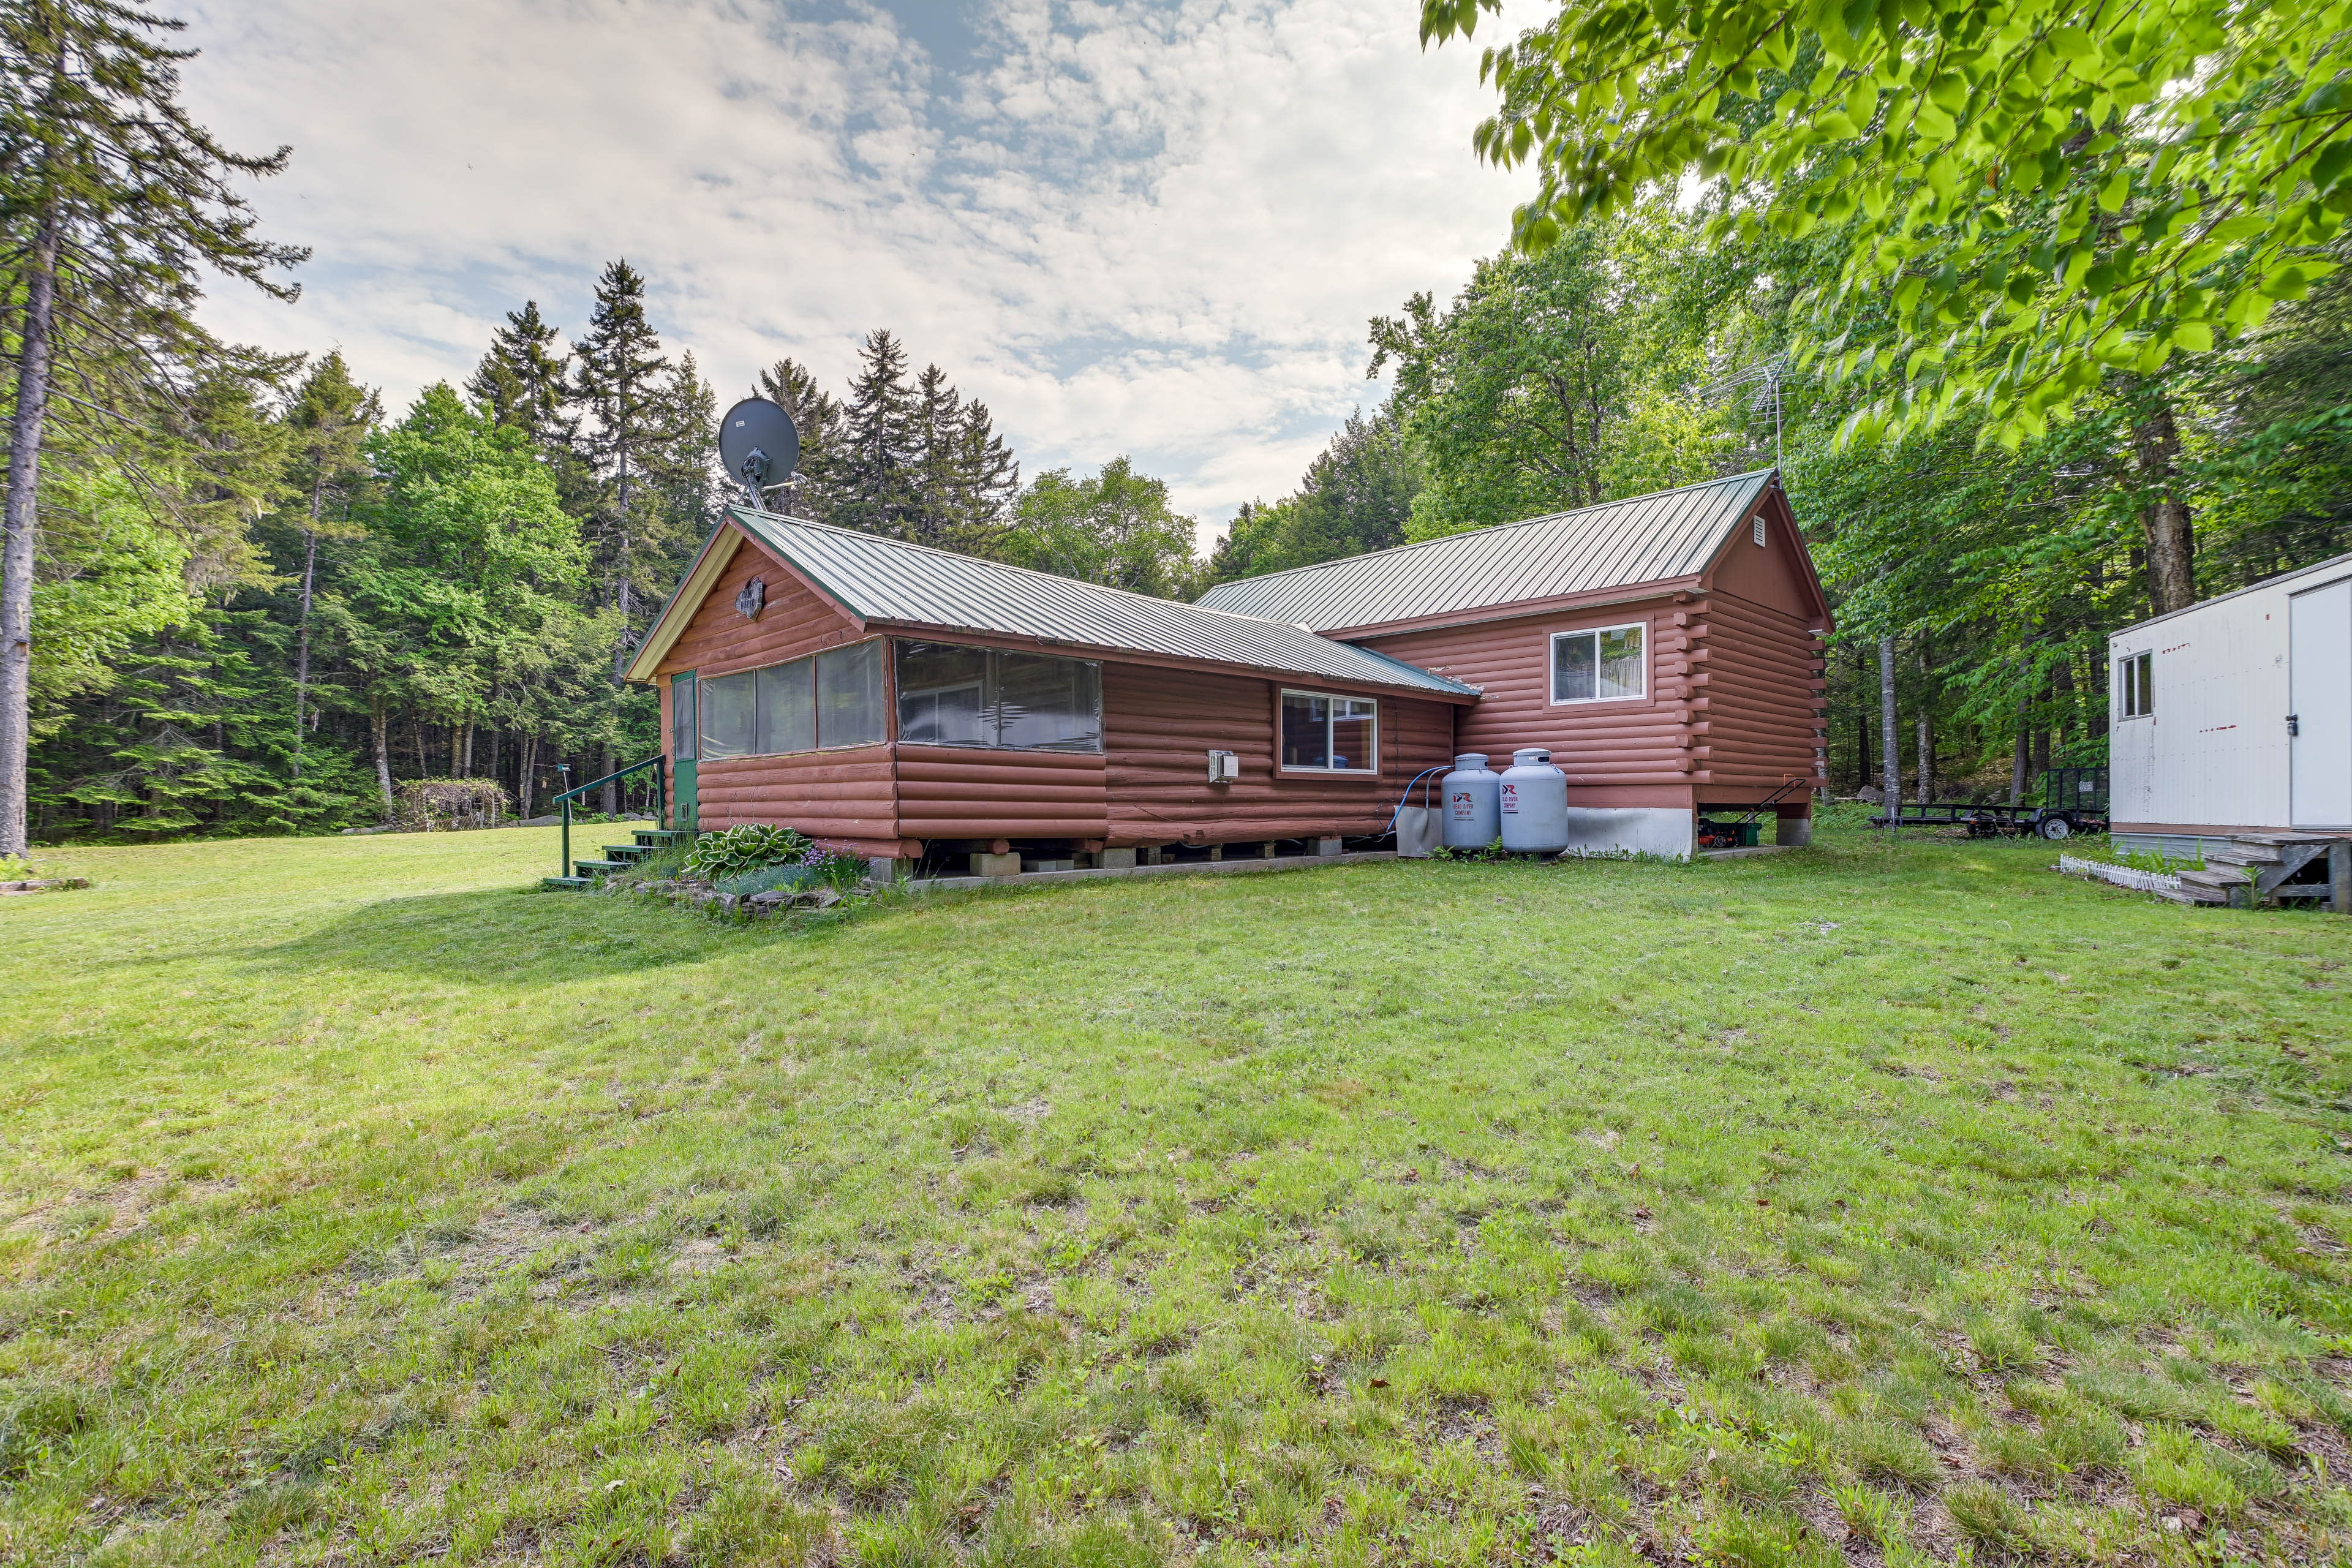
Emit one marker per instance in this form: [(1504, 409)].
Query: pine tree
[(331, 417), (521, 380), (820, 418), (115, 198), (622, 388), (988, 477), (935, 511), (878, 455)]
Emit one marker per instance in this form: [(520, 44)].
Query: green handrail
[(661, 798)]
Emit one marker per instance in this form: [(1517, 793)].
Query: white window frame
[(1283, 767), (1551, 663), (2135, 685)]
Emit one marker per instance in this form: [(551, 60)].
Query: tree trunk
[(1890, 735), (23, 521), (380, 723), (302, 623), (529, 760), (611, 793), (416, 730), (1926, 758), (2017, 758), (2171, 543)]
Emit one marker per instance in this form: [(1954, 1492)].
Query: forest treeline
[(1641, 351), (245, 596), (239, 594)]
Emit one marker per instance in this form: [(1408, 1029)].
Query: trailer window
[(1602, 665), (952, 695), (2136, 674), (1329, 734)]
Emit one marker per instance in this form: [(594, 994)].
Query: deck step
[(627, 854), (2221, 877), (599, 868), (569, 884), (2243, 854), (655, 837)]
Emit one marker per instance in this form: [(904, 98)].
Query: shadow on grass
[(507, 936)]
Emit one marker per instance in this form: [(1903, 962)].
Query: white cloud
[(1152, 228)]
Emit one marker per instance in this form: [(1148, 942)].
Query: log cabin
[(1667, 649), (932, 709)]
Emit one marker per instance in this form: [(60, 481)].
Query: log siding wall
[(847, 796), (1148, 786), (1734, 707), (1160, 725)]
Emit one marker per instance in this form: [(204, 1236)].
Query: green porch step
[(568, 884), (660, 837), (599, 868), (627, 854)]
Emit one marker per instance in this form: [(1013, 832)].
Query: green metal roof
[(1645, 538), (891, 581)]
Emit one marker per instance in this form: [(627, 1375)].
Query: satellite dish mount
[(761, 446)]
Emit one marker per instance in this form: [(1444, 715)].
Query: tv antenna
[(758, 443), (1766, 377)]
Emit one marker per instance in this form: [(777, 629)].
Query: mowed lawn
[(363, 1205)]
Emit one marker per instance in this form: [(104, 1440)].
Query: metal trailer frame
[(1987, 820)]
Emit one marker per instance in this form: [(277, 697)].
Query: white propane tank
[(1473, 803), (1534, 803)]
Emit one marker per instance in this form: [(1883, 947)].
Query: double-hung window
[(1604, 664), (1329, 734), (2135, 681)]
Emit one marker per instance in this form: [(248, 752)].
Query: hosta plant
[(747, 847)]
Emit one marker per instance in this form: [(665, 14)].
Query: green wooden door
[(683, 749)]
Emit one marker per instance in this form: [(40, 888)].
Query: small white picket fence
[(2121, 876)]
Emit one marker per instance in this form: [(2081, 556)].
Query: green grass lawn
[(1872, 1203)]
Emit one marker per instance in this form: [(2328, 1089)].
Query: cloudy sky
[(1148, 227)]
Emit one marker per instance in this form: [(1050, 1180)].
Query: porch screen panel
[(849, 695), (728, 726), (942, 695), (1048, 704), (788, 707)]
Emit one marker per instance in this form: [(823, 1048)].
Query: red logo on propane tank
[(1511, 798)]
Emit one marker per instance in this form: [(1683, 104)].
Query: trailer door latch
[(2294, 724)]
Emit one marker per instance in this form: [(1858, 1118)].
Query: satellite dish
[(758, 443)]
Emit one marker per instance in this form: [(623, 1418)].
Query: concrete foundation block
[(1152, 854), (884, 870), (996, 865), (1794, 831), (1327, 846), (1119, 859)]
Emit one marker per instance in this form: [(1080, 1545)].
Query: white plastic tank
[(1473, 803), (1534, 803)]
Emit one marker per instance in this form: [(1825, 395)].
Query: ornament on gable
[(752, 599)]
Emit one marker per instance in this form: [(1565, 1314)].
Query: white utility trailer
[(2233, 717)]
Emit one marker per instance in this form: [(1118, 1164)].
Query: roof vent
[(1759, 528)]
